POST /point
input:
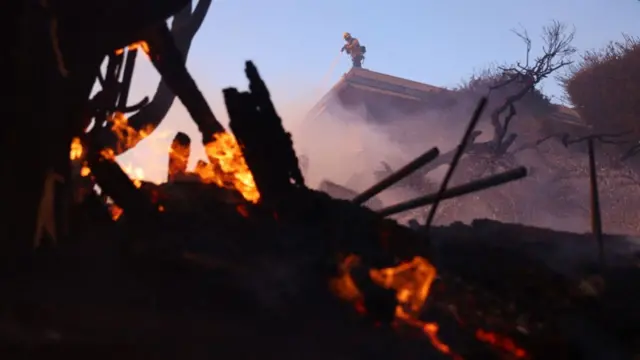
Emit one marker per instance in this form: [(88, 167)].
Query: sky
[(435, 42), (296, 44)]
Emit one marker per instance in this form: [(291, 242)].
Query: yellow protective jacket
[(353, 47)]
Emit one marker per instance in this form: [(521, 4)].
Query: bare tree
[(520, 79)]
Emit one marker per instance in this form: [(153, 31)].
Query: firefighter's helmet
[(346, 36)]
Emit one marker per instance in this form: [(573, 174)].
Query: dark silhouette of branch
[(631, 152), (520, 78), (557, 50), (185, 25)]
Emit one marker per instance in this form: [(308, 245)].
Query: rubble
[(240, 259)]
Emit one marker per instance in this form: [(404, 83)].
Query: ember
[(136, 45)]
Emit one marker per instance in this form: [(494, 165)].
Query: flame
[(135, 174), (85, 171), (76, 149), (228, 168), (128, 137), (136, 45), (231, 170), (411, 281)]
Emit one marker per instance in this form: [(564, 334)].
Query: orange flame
[(230, 169), (411, 281), (136, 45), (76, 149), (128, 137)]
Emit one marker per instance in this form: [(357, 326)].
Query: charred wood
[(456, 159), (184, 26), (179, 156), (596, 217), (169, 62), (266, 146), (398, 175), (341, 192), (477, 185)]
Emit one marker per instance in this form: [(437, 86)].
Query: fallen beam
[(456, 159), (400, 174), (481, 184)]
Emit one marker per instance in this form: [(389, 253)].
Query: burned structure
[(382, 98), (237, 258)]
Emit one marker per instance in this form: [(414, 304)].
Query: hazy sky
[(295, 42), (433, 41)]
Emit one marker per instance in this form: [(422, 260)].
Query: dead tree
[(519, 79)]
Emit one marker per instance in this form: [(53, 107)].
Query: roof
[(381, 84), (367, 82)]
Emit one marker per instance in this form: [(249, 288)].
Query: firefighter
[(354, 49)]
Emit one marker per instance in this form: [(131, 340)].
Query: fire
[(231, 170), (76, 149), (136, 45), (128, 137), (85, 171), (411, 281), (135, 174)]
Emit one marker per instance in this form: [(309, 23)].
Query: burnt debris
[(237, 257)]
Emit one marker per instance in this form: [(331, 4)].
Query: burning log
[(266, 146), (178, 156), (118, 186)]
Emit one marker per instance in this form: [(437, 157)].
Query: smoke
[(347, 147)]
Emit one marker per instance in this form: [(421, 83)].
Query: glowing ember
[(115, 211), (231, 170), (136, 45), (501, 342), (85, 171)]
